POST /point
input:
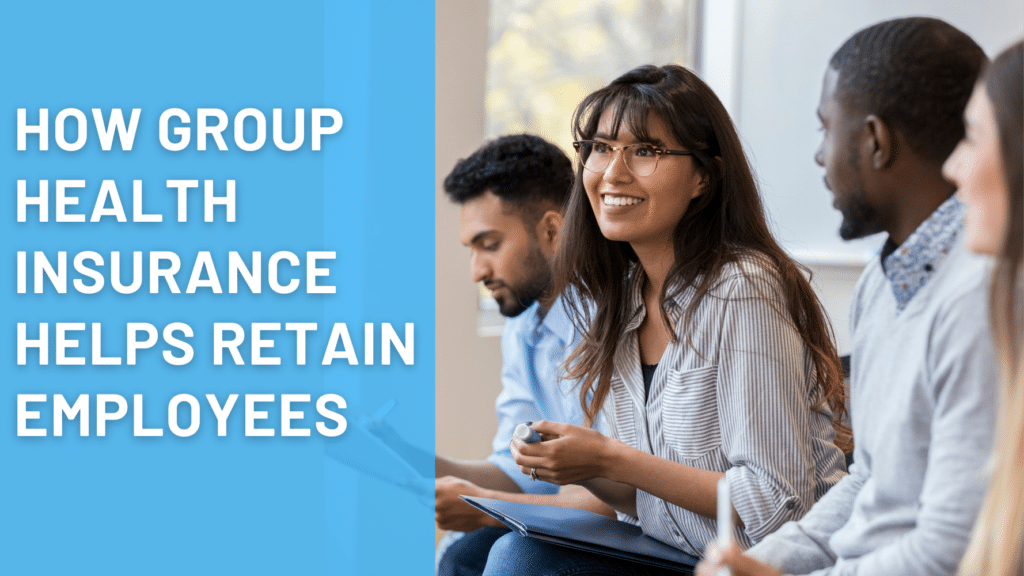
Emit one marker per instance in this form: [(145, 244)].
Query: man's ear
[(882, 145), (548, 230)]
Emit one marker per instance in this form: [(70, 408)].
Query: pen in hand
[(725, 525), (526, 433)]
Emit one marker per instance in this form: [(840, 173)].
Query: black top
[(648, 370)]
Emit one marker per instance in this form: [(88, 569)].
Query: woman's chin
[(616, 232)]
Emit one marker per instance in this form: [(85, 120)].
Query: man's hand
[(733, 558), (451, 512)]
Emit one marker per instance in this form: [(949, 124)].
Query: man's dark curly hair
[(528, 173), (916, 74)]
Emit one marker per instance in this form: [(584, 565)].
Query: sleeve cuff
[(762, 506)]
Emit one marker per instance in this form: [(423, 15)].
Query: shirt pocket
[(689, 411)]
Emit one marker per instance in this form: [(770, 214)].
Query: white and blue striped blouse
[(739, 400)]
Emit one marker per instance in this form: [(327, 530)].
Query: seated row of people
[(695, 349)]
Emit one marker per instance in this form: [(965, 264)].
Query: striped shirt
[(738, 401)]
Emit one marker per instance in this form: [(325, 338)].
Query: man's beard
[(859, 219), (535, 285)]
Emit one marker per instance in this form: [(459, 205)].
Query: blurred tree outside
[(544, 56)]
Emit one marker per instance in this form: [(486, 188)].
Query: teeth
[(620, 200)]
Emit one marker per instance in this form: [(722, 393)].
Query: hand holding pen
[(567, 454), (733, 559)]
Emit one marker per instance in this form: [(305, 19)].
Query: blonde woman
[(987, 169)]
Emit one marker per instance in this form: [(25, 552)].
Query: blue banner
[(217, 288)]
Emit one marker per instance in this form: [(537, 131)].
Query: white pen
[(526, 433), (724, 521)]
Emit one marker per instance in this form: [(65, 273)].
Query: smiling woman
[(704, 346), (629, 202)]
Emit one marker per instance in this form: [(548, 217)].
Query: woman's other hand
[(732, 557)]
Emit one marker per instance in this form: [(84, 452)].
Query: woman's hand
[(731, 557), (568, 455)]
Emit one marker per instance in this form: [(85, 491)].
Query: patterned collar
[(912, 264)]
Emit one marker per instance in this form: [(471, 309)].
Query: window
[(544, 56)]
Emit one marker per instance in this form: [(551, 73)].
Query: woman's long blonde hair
[(995, 547)]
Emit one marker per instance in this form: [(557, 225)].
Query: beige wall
[(467, 365)]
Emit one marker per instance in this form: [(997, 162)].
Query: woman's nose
[(617, 170)]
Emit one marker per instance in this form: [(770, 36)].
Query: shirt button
[(790, 505)]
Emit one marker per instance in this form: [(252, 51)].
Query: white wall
[(784, 50)]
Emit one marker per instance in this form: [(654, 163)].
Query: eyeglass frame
[(659, 151)]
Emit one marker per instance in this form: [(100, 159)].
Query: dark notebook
[(584, 530)]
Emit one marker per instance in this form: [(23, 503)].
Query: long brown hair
[(995, 547), (724, 222)]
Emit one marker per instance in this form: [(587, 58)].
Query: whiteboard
[(766, 59)]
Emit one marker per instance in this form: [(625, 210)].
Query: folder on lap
[(584, 530)]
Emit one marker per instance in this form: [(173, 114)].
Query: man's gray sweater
[(923, 399)]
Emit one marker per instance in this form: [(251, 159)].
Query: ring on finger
[(533, 473)]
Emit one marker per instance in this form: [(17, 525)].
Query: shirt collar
[(911, 265), (556, 320), (637, 311), (635, 297)]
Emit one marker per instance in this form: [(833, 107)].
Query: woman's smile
[(620, 200), (641, 210)]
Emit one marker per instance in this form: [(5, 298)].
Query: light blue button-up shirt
[(533, 351)]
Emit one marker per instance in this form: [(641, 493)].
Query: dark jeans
[(514, 554), (467, 556)]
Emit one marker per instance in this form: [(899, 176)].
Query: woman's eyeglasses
[(641, 159)]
